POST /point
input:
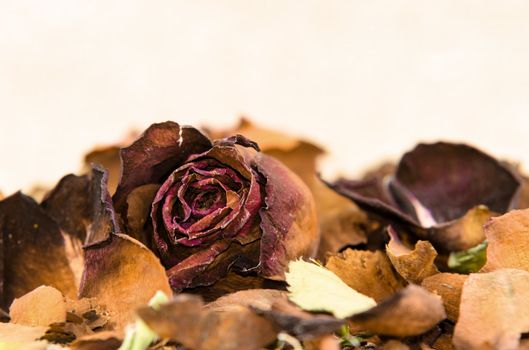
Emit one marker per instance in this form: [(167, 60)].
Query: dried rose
[(444, 192), (208, 207)]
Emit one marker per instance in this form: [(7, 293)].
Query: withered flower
[(443, 191), (207, 207)]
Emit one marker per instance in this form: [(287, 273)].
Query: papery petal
[(123, 275), (150, 159), (288, 220), (450, 179), (33, 251)]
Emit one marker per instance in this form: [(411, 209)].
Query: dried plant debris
[(493, 312), (369, 273), (438, 192), (424, 254), (413, 265)]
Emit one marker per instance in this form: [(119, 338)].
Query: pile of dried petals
[(182, 239)]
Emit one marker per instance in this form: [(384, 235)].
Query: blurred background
[(365, 79)]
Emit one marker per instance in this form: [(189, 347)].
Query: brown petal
[(82, 206), (411, 311), (342, 223), (33, 250), (184, 320), (493, 312), (123, 275), (508, 241), (40, 307), (138, 211), (291, 319), (261, 299), (413, 265), (233, 283), (463, 233), (369, 273), (448, 286), (106, 340)]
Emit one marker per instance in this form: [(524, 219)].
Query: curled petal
[(288, 221), (150, 159)]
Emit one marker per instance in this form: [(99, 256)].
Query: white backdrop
[(367, 79)]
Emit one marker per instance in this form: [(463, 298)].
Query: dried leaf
[(448, 286), (315, 288), (493, 312), (123, 275), (369, 273), (508, 241), (411, 311), (413, 265), (261, 299), (33, 250), (40, 307)]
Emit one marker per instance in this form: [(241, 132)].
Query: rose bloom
[(208, 207)]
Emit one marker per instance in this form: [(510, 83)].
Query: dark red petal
[(450, 179), (162, 148), (288, 220)]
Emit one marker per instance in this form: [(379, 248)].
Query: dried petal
[(261, 299), (34, 248), (155, 154), (411, 311), (40, 307), (448, 286), (463, 233), (369, 273), (106, 340), (288, 222), (183, 320), (508, 242), (413, 265), (434, 186), (123, 275), (493, 312)]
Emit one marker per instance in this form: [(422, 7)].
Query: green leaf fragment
[(315, 288), (470, 260), (139, 336)]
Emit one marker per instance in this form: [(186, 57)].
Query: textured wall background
[(366, 78)]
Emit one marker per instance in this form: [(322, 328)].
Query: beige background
[(368, 79)]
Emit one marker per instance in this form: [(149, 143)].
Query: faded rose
[(207, 207)]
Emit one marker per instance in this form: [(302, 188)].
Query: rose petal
[(40, 307), (448, 286), (82, 206), (288, 222), (138, 210), (290, 319), (450, 179), (508, 241), (463, 233), (369, 273), (184, 320), (33, 250), (493, 312), (411, 311), (413, 265), (151, 158), (123, 275)]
